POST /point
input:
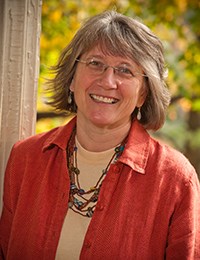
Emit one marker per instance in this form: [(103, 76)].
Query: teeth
[(104, 99)]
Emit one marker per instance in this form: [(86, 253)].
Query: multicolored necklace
[(81, 201)]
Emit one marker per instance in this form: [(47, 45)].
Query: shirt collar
[(136, 152), (60, 136)]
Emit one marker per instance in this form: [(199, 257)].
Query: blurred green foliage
[(175, 22)]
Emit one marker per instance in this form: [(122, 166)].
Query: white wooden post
[(19, 66)]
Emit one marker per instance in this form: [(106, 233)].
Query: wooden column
[(19, 66)]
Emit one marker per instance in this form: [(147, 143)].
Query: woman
[(101, 187)]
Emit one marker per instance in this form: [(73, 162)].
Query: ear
[(71, 87), (142, 96)]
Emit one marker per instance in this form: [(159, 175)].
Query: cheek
[(80, 83), (76, 80), (134, 94), (138, 89), (132, 91)]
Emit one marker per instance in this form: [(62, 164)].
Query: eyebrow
[(123, 62)]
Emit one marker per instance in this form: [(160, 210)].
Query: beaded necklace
[(77, 197)]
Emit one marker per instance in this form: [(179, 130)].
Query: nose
[(108, 79)]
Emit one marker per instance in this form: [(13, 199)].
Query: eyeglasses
[(97, 67)]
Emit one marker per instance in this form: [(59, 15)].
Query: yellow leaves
[(185, 104), (46, 124), (45, 9), (43, 42), (182, 5), (74, 24), (196, 58), (56, 15), (53, 10)]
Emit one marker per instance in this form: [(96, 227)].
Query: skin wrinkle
[(104, 120)]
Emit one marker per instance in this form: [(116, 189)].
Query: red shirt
[(148, 206)]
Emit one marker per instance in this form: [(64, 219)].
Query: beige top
[(75, 226)]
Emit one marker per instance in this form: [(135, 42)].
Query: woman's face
[(106, 97)]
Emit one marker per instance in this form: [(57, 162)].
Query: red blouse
[(148, 206)]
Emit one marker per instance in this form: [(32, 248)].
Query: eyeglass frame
[(106, 66)]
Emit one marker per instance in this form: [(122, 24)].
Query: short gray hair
[(118, 35)]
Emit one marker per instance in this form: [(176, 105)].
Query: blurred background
[(176, 23)]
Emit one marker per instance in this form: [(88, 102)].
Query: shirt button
[(99, 207), (87, 244)]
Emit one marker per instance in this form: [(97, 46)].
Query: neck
[(98, 139)]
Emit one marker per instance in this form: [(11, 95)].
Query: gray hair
[(117, 35)]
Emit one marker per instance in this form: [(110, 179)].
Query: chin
[(101, 122)]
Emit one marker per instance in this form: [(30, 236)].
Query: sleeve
[(8, 209), (184, 231)]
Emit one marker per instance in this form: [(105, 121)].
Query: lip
[(103, 99)]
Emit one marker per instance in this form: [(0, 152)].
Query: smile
[(104, 99)]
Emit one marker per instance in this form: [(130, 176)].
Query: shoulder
[(156, 159), (37, 140), (27, 150), (34, 151), (172, 174), (56, 136), (171, 162)]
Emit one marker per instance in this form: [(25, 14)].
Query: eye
[(95, 64), (125, 71)]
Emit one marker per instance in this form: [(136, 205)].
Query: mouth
[(102, 99)]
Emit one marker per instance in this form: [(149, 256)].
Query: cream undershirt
[(75, 226)]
